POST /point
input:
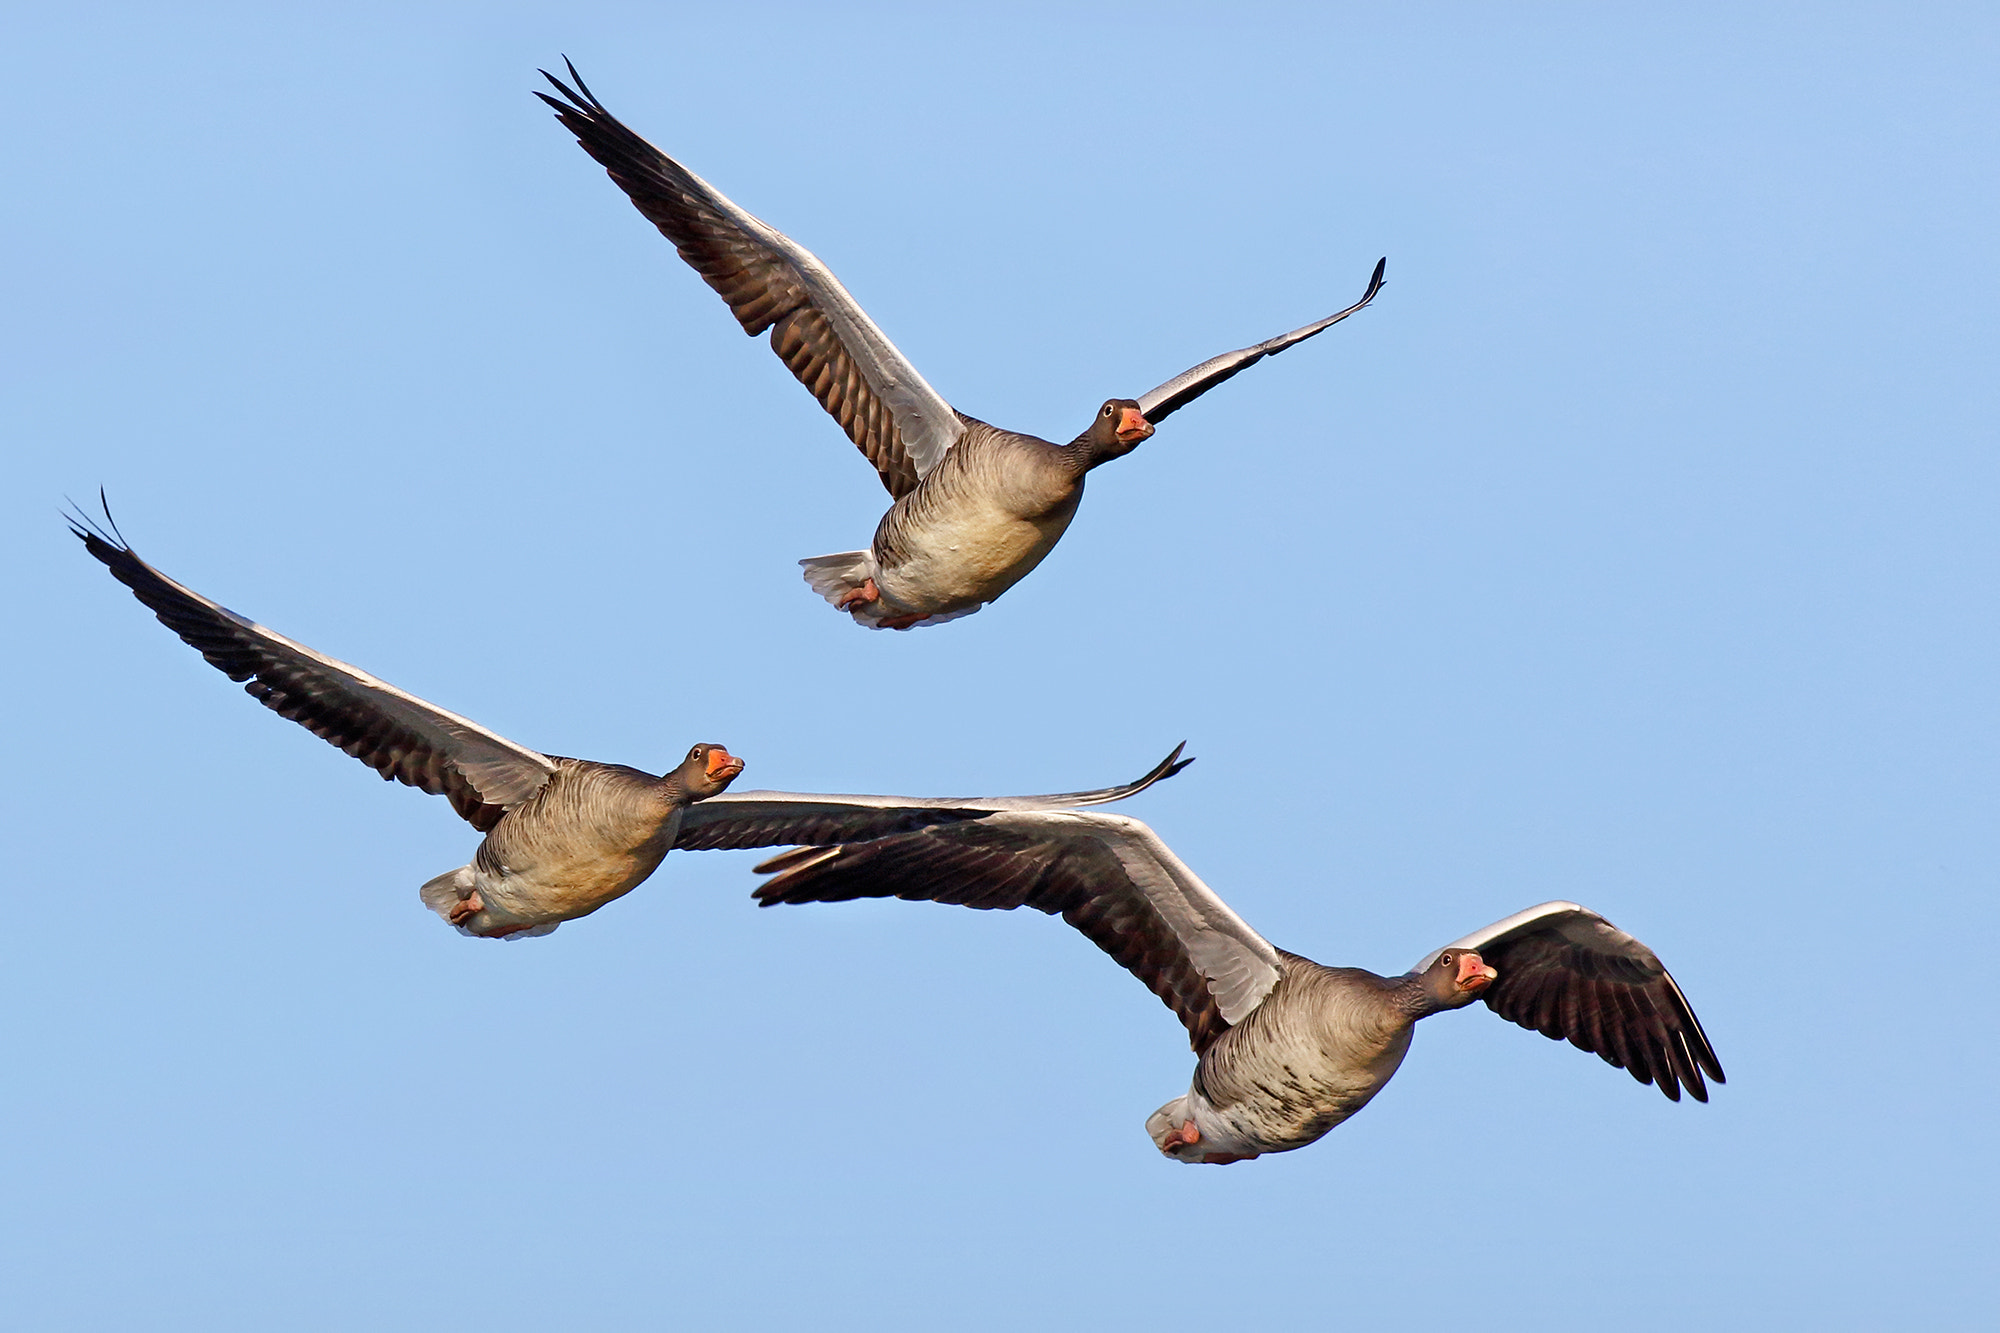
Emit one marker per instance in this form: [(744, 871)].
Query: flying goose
[(1287, 1048), (563, 836), (975, 507)]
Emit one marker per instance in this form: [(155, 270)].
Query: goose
[(563, 836), (975, 507), (1286, 1048)]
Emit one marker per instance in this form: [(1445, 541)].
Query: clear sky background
[(1636, 547)]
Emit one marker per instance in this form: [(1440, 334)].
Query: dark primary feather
[(778, 825), (288, 683), (1000, 864), (1189, 385), (760, 284), (773, 818), (1625, 1010)]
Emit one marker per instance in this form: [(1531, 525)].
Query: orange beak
[(1132, 427), (722, 765), (1474, 975)]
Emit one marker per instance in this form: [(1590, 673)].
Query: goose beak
[(1132, 427), (1474, 975), (722, 765)]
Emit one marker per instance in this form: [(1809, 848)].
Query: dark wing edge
[(771, 282), (1189, 385), (737, 820), (367, 718), (1569, 974), (1099, 872)]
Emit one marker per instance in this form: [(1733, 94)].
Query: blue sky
[(1636, 547)]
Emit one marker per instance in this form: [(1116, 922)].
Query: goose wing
[(1189, 385), (1569, 974), (396, 734), (777, 818), (899, 422), (1109, 876)]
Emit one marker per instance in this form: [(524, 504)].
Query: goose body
[(592, 834), (975, 507), (1286, 1048), (973, 528), (563, 836), (1316, 1051)]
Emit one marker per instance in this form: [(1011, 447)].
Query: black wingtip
[(579, 98), (1169, 766), (88, 529), (1375, 281)]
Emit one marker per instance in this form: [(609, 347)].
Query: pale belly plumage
[(968, 555), (1296, 1105), (1296, 1067), (517, 898), (531, 883)]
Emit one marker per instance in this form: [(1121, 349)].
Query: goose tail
[(835, 576), (448, 890)]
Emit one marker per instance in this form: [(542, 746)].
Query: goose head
[(706, 771), (1118, 430), (1454, 979)]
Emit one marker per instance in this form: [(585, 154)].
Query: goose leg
[(860, 596), (471, 905)]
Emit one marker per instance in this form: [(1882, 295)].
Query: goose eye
[(1107, 410), (1444, 960)]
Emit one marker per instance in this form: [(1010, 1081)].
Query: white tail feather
[(447, 891), (834, 576), (444, 894), (1168, 1119)]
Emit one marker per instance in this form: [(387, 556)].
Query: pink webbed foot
[(860, 596), (901, 622), (1188, 1133), (471, 906), (1225, 1158)]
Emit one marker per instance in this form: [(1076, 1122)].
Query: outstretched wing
[(396, 734), (1569, 974), (899, 422), (1109, 876), (1189, 385), (780, 818)]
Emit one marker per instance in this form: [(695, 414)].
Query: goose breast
[(978, 523), (592, 835), (1315, 1052)]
